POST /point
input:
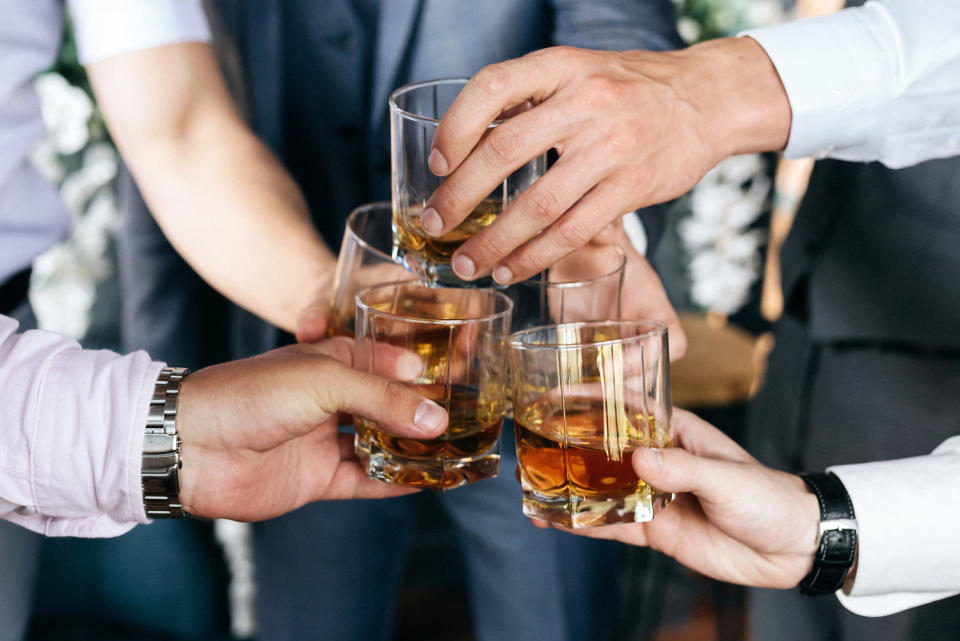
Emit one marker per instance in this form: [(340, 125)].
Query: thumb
[(673, 469), (312, 322), (395, 407)]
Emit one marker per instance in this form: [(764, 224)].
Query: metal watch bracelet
[(160, 469)]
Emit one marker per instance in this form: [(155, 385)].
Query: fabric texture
[(72, 434), (107, 28), (878, 82)]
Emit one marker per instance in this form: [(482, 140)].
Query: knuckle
[(574, 233), (542, 205), (526, 264), (393, 393), (492, 80), (486, 245), (504, 143)]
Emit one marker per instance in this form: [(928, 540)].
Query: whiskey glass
[(367, 257), (585, 396), (415, 112), (586, 285), (460, 337)]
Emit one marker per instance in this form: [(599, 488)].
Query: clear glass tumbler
[(587, 285), (460, 337), (367, 257), (585, 396), (415, 111)]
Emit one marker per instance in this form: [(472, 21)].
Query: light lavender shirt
[(71, 434), (32, 216)]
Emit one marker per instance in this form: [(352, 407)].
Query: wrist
[(188, 443), (837, 535), (741, 95)]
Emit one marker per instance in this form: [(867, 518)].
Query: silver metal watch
[(160, 470)]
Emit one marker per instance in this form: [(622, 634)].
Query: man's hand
[(314, 319), (260, 435), (736, 520), (632, 129)]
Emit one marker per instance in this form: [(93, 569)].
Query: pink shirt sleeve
[(71, 434)]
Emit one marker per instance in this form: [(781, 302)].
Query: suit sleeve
[(616, 24)]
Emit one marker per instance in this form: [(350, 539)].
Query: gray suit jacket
[(874, 256), (173, 315)]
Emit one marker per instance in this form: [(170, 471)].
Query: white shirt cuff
[(635, 232), (835, 69), (106, 28), (909, 516)]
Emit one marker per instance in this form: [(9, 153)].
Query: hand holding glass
[(585, 396), (459, 335)]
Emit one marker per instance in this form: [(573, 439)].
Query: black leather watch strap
[(838, 535)]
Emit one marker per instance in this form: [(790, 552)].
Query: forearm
[(236, 216), (221, 197), (71, 434)]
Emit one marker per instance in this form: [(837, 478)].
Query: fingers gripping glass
[(459, 336), (367, 258), (415, 112)]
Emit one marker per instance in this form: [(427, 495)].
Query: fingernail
[(463, 266), (437, 163), (652, 459), (409, 366), (502, 275), (430, 221), (428, 417)]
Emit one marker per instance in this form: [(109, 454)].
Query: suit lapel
[(398, 19)]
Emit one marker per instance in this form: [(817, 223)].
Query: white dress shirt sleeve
[(71, 434), (106, 28), (878, 82), (909, 541)]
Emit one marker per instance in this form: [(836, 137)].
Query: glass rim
[(569, 284), (517, 343), (359, 209), (399, 91), (507, 311)]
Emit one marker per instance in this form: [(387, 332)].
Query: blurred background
[(718, 260)]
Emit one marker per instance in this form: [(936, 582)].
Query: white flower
[(100, 163), (739, 169), (92, 232), (718, 284), (689, 29), (66, 111), (45, 158), (697, 233), (62, 291), (725, 258), (711, 200), (764, 12)]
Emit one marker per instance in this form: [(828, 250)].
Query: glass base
[(577, 511), (425, 474), (442, 275)]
